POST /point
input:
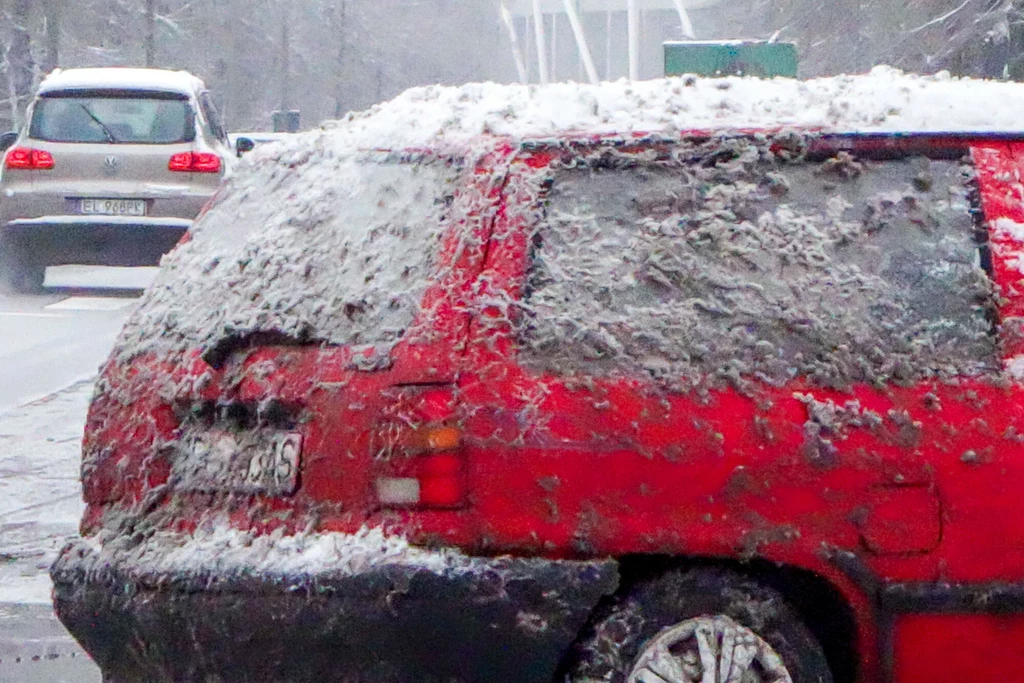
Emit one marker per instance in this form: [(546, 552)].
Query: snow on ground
[(99, 277), (40, 494)]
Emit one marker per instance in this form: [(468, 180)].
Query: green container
[(741, 58)]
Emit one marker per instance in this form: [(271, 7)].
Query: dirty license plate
[(112, 207), (260, 462)]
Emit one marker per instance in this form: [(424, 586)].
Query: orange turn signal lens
[(443, 438)]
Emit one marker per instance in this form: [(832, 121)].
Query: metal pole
[(581, 41), (286, 54), (579, 62), (341, 29), (542, 43), (684, 20), (530, 40), (517, 52), (608, 47), (554, 46), (633, 21)]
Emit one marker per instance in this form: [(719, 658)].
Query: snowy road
[(34, 648), (50, 341), (40, 503), (50, 348)]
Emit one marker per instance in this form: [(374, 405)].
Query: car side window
[(726, 260), (212, 116)]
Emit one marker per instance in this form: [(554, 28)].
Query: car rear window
[(727, 261), (304, 246), (116, 120)]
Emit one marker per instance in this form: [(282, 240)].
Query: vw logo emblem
[(111, 164)]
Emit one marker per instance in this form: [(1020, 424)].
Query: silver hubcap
[(708, 650)]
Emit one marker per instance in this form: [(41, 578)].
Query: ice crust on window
[(310, 245), (729, 263)]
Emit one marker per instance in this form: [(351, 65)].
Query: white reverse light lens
[(398, 491)]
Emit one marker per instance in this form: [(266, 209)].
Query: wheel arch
[(820, 603)]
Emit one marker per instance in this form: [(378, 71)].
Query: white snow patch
[(884, 100), (91, 303), (1015, 367), (29, 588), (100, 277), (1015, 262), (1009, 228), (223, 550), (122, 78)]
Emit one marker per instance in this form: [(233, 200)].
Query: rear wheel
[(19, 274), (700, 626)]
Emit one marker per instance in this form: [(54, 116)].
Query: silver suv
[(112, 168)]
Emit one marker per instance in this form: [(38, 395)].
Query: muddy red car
[(724, 406)]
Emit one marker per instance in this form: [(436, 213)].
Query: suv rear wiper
[(110, 134)]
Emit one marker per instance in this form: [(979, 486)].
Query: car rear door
[(824, 302)]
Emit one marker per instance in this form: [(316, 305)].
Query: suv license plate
[(112, 207), (253, 462)]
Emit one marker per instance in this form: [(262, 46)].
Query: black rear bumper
[(496, 620), (56, 241)]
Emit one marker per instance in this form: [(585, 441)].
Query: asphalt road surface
[(51, 346)]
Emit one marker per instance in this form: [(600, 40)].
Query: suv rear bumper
[(93, 240), (382, 618)]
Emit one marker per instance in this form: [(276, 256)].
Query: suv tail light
[(422, 464), (28, 159), (195, 162)]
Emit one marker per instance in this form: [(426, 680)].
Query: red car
[(718, 407)]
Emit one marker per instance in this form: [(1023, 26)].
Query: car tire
[(677, 610), (19, 275)]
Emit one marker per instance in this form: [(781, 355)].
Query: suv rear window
[(127, 120), (726, 261), (303, 247)]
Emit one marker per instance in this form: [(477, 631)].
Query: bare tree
[(150, 33), (51, 56), (20, 63)]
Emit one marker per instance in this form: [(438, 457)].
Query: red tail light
[(27, 159), (428, 479), (181, 162), (441, 481), (420, 461), (204, 162), (195, 162)]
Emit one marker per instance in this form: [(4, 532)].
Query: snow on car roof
[(290, 190), (121, 78), (884, 100)]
